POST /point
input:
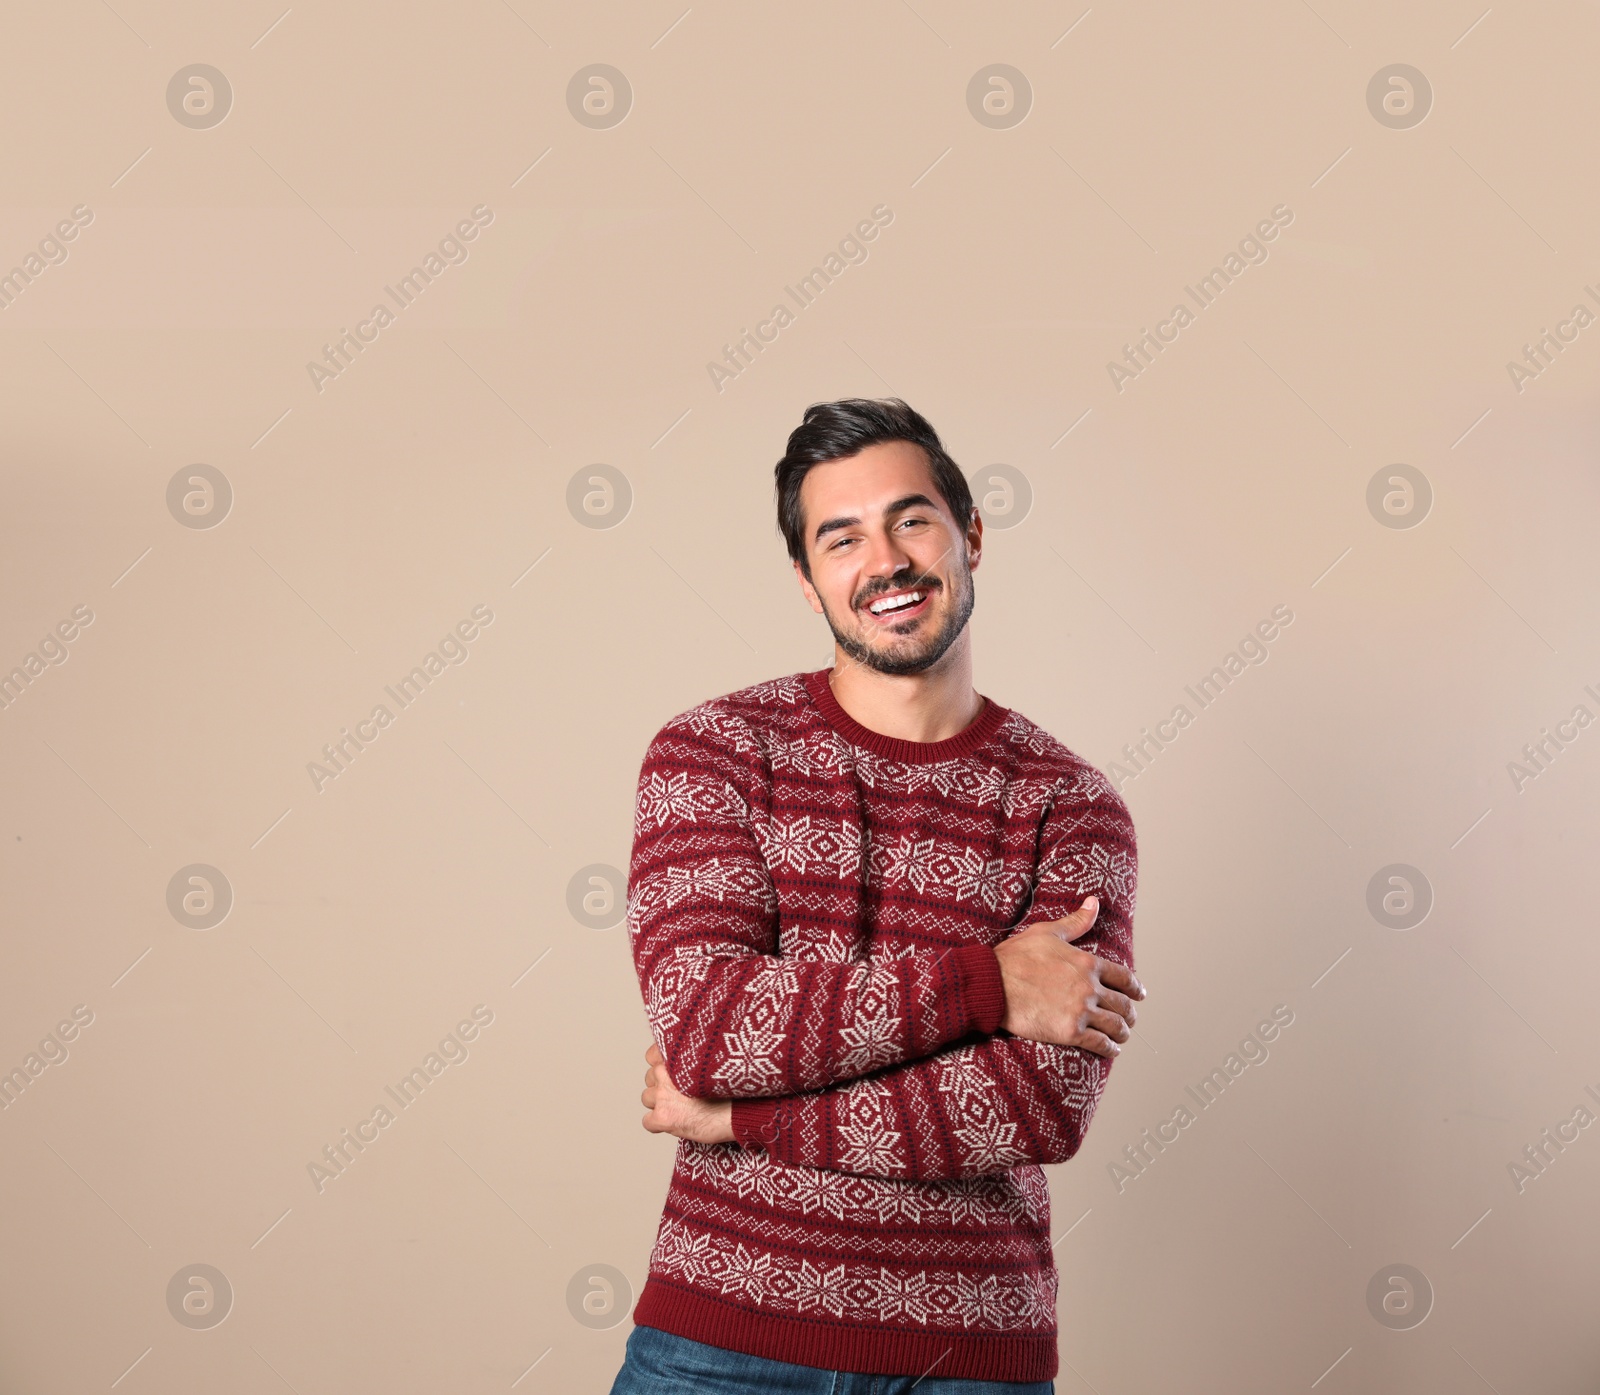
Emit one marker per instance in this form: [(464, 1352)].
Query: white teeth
[(895, 603)]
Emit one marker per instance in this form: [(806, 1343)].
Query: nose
[(886, 555)]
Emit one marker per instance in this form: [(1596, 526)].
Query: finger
[(1069, 927), (647, 1098), (1112, 1001), (1108, 1023), (1099, 1043), (1083, 918), (1115, 976), (653, 1055)]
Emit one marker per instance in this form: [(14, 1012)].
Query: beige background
[(1166, 521)]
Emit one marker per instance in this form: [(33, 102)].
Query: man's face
[(891, 568)]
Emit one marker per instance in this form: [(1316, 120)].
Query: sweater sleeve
[(988, 1106), (732, 1017)]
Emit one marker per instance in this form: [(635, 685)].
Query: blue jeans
[(661, 1363)]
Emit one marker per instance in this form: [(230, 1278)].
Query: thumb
[(1085, 915)]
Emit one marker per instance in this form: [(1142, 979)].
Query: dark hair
[(836, 430)]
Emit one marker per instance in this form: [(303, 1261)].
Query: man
[(883, 928)]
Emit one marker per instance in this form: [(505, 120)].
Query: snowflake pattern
[(854, 1290), (715, 879), (683, 799), (750, 1061), (871, 1044), (714, 724), (867, 1141), (1093, 867), (908, 861), (814, 847), (745, 1273), (903, 1295)]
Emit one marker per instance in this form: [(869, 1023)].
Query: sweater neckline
[(978, 731)]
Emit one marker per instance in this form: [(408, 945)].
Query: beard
[(912, 653)]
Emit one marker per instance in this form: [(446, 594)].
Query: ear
[(807, 589), (974, 540)]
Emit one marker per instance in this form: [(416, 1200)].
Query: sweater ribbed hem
[(833, 1346)]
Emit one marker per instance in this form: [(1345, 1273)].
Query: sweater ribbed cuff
[(981, 987), (754, 1123)]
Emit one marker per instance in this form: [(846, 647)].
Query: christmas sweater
[(812, 910)]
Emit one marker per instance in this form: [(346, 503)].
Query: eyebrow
[(908, 501)]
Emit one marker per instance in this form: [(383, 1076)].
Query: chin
[(899, 662)]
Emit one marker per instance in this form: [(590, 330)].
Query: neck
[(933, 705)]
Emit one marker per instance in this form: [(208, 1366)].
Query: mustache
[(869, 594)]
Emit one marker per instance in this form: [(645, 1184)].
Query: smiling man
[(883, 929)]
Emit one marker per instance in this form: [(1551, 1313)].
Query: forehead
[(861, 485)]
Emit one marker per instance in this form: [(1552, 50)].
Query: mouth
[(893, 607)]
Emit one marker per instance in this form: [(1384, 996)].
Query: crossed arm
[(966, 1111), (914, 1067)]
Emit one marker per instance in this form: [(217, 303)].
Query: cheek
[(838, 589), (940, 554)]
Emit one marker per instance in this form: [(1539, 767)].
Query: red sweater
[(813, 909)]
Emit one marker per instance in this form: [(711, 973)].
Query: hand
[(699, 1121), (1058, 993)]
